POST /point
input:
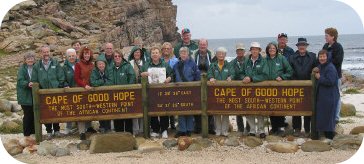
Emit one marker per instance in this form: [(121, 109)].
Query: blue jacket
[(190, 71)]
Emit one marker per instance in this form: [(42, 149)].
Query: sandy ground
[(213, 154)]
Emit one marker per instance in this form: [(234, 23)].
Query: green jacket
[(259, 72), (169, 71), (279, 67), (96, 79), (51, 78), (239, 69), (145, 56), (214, 71), (192, 47), (24, 93), (69, 74), (124, 75)]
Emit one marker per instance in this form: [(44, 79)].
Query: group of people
[(183, 63)]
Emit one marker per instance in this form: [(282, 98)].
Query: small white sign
[(157, 75)]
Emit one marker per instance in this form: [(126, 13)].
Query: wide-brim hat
[(302, 41), (255, 45), (240, 46)]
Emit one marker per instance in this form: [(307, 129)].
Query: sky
[(220, 19)]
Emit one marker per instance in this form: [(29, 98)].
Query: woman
[(170, 58), (160, 125), (279, 69), (122, 73), (185, 70), (327, 95), (220, 70), (82, 74), (256, 70), (24, 93), (137, 61)]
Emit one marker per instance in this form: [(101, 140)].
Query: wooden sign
[(90, 105), (262, 100), (173, 99)]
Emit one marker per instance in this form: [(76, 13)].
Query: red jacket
[(83, 72)]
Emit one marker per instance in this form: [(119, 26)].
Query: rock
[(30, 149), (60, 152), (27, 22), (184, 142), (148, 147), (73, 146), (194, 147), (62, 24), (290, 138), (300, 141), (13, 147), (282, 147), (204, 142), (47, 148), (139, 141), (345, 142), (347, 110), (27, 141), (253, 141), (315, 146), (29, 4), (339, 129), (84, 145), (5, 105), (273, 138), (10, 127), (113, 142), (170, 143), (357, 130), (15, 107), (232, 141)]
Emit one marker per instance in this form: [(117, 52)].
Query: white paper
[(157, 75)]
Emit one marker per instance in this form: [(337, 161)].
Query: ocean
[(353, 45)]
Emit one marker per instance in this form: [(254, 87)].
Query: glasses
[(117, 56)]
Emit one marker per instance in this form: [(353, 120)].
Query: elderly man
[(283, 48), (49, 74), (302, 63), (186, 42)]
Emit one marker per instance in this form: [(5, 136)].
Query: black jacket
[(302, 65), (336, 52)]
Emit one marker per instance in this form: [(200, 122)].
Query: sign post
[(36, 110)]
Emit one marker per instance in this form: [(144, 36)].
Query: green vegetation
[(352, 91), (49, 24), (8, 113), (16, 130), (3, 52)]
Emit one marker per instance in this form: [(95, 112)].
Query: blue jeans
[(185, 123), (338, 108)]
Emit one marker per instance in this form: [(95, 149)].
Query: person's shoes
[(49, 136), (212, 132), (58, 134), (164, 134), (67, 131), (179, 134), (153, 134), (173, 127), (188, 133), (262, 135), (82, 136), (91, 130), (327, 141), (251, 134), (297, 133)]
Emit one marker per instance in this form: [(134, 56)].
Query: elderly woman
[(24, 93), (327, 95), (160, 125), (220, 70), (279, 69), (185, 70), (82, 75), (256, 70)]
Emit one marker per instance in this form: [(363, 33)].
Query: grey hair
[(70, 50), (221, 49), (184, 49), (28, 55), (45, 46)]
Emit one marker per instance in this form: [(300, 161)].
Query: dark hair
[(84, 50), (322, 52), (267, 48), (76, 41), (332, 32)]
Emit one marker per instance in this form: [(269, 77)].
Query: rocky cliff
[(31, 24)]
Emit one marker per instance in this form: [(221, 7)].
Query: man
[(283, 48), (186, 42), (336, 55), (203, 58), (109, 54), (238, 66), (49, 74), (138, 42), (302, 63)]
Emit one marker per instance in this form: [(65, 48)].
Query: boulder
[(290, 138), (339, 129), (253, 141), (47, 148), (13, 147), (347, 110), (300, 141), (29, 4), (73, 146), (184, 142), (315, 146), (15, 107), (60, 152), (62, 24), (84, 145), (345, 142), (30, 149), (10, 127), (283, 147), (273, 138), (139, 141), (27, 141), (5, 105), (170, 143), (113, 142), (232, 141), (194, 147), (357, 130), (148, 147), (204, 142)]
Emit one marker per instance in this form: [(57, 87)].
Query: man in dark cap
[(186, 42), (283, 48)]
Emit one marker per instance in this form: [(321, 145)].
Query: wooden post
[(145, 107), (204, 116), (314, 133), (36, 110)]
